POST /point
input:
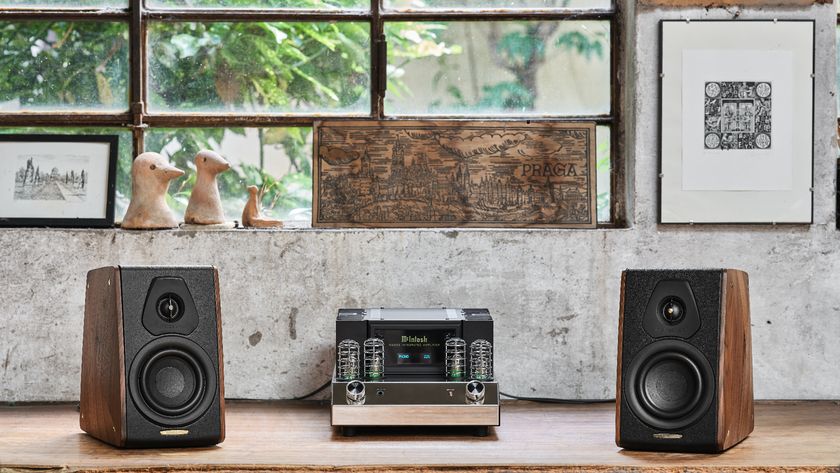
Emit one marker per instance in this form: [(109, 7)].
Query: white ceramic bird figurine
[(150, 177), (205, 205)]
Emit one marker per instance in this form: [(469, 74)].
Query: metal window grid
[(138, 119)]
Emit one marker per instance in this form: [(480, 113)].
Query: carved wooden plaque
[(454, 174)]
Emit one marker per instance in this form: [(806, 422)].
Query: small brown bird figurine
[(252, 216), (205, 205), (150, 176)]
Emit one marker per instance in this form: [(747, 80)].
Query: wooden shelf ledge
[(297, 437)]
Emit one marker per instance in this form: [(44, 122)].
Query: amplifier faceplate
[(421, 403), (412, 392)]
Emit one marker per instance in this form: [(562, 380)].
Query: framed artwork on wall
[(57, 180), (737, 121)]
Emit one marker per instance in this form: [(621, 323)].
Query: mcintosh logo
[(413, 339)]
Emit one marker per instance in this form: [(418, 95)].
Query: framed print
[(57, 180), (408, 173), (737, 120)]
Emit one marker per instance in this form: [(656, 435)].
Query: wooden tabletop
[(291, 437)]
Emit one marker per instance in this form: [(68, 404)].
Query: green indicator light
[(456, 374)]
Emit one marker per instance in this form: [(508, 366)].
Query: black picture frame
[(110, 192), (661, 157)]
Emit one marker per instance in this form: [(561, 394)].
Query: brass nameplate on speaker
[(667, 436), (174, 432), (444, 173)]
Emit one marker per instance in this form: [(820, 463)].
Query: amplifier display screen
[(415, 347)]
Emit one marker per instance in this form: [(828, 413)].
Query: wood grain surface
[(620, 347), (221, 365), (103, 358), (454, 173), (735, 389), (288, 437)]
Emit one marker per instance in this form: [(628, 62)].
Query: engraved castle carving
[(410, 173)]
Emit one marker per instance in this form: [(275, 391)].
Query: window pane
[(50, 65), (278, 160), (260, 67), (520, 68), (327, 4), (124, 156), (603, 166), (70, 4), (473, 4)]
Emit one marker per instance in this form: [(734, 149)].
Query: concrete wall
[(554, 294)]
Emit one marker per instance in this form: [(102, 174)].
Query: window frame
[(138, 119)]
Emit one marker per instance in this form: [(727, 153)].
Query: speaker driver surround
[(669, 385), (172, 381)]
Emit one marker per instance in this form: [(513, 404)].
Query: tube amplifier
[(414, 367)]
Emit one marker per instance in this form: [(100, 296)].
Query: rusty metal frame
[(138, 119)]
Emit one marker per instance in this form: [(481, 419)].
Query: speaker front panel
[(670, 340), (173, 380)]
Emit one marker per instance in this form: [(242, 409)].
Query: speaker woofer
[(669, 385), (172, 381)]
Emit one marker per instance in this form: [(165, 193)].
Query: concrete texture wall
[(730, 3), (554, 294)]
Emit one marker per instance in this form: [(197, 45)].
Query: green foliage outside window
[(63, 65), (259, 67), (308, 4)]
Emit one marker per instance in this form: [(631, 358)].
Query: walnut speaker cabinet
[(684, 360), (152, 370)]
